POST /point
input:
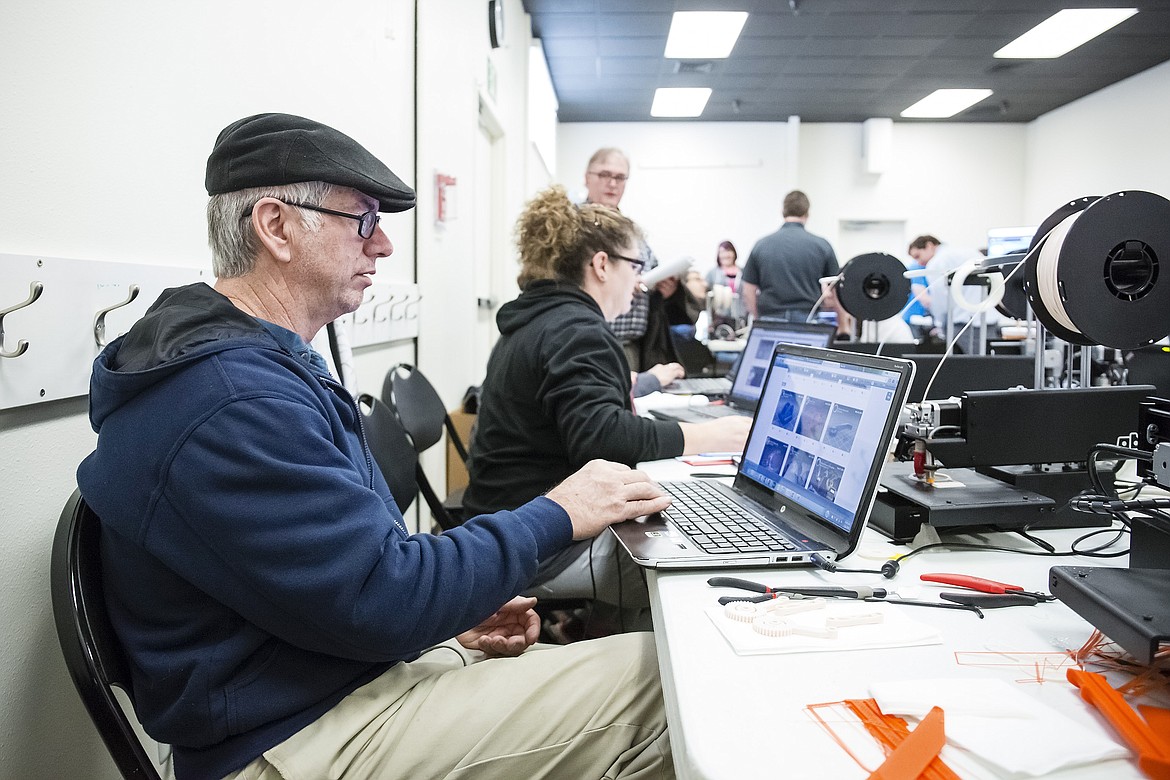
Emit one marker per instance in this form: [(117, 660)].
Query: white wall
[(695, 184), (453, 75), (1110, 141)]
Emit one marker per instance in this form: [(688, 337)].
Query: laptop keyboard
[(718, 410), (702, 385), (717, 524)]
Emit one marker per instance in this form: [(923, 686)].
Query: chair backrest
[(420, 408), (92, 653), (392, 449)]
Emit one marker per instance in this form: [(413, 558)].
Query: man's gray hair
[(233, 241)]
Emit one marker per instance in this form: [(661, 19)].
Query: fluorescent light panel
[(680, 101), (1064, 31), (703, 35), (943, 103)]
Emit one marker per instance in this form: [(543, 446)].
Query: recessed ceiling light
[(1064, 31), (680, 101), (943, 103), (702, 35)]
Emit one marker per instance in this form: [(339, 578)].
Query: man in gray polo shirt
[(783, 272)]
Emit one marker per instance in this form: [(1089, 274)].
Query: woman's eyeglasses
[(639, 265)]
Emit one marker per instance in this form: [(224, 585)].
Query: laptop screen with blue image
[(821, 431), (752, 366)]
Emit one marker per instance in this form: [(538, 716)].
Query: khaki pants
[(581, 711), (597, 569)]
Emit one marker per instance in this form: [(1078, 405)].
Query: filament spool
[(1097, 273), (1014, 303), (873, 286)]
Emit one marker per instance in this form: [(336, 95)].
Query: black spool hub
[(1107, 272), (873, 286)]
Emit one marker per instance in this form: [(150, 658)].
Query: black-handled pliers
[(862, 593)]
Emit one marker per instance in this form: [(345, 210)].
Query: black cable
[(1120, 532), (1044, 554), (593, 587), (1034, 539), (462, 660), (1112, 449), (888, 570), (621, 599)]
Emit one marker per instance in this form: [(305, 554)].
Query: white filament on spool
[(994, 296), (1047, 284)]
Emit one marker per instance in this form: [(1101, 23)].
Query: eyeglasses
[(639, 265), (616, 178), (366, 222)]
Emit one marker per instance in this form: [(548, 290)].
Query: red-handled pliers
[(1003, 594)]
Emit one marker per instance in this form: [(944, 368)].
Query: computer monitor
[(1006, 240)]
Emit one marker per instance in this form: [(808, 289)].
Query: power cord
[(889, 569), (617, 566)]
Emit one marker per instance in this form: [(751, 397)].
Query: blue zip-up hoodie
[(256, 567)]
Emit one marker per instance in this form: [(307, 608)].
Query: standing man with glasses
[(279, 619), (606, 176)]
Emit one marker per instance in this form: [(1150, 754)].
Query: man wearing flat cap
[(279, 620)]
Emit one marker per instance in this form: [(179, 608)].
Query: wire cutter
[(992, 594)]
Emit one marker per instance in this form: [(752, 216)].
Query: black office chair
[(424, 417), (392, 449), (92, 653)]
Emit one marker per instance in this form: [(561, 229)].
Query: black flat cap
[(273, 149)]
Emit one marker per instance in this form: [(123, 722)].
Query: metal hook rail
[(99, 321), (34, 291)]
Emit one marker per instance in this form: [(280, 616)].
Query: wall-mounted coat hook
[(397, 304), (99, 322), (34, 291), (411, 310)]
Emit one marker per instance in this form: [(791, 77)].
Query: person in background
[(729, 306), (557, 392), (653, 361), (605, 182), (278, 618), (917, 310), (726, 271), (940, 260), (696, 284), (781, 278)]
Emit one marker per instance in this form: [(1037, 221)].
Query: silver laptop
[(808, 475), (746, 378)]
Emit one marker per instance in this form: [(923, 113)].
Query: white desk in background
[(741, 717)]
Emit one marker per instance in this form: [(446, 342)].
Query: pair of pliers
[(861, 593), (811, 591), (992, 594)]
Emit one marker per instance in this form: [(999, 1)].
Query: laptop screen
[(822, 428), (757, 352)]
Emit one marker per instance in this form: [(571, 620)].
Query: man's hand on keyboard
[(603, 493)]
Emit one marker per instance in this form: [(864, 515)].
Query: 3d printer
[(1092, 275), (1012, 459)]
